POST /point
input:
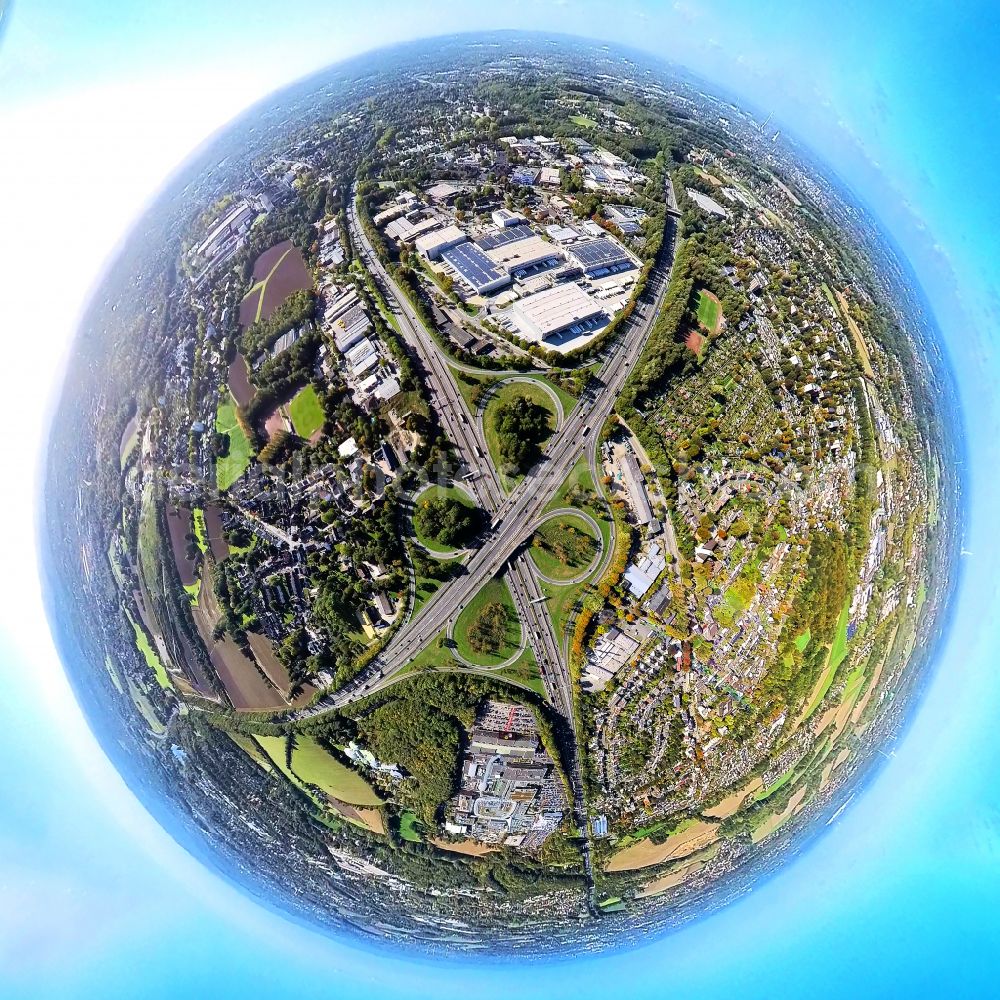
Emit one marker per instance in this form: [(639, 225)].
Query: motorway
[(465, 433)]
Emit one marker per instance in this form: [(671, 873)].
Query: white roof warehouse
[(556, 310)]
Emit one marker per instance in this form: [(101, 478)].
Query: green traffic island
[(445, 520), (517, 421), (487, 632), (566, 548)]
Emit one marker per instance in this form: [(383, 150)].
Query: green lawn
[(436, 656), (452, 493), (837, 653), (494, 591), (583, 121), (410, 827), (427, 587), (802, 641), (306, 412), (544, 559), (317, 767), (237, 461), (562, 598), (524, 671), (771, 789), (839, 648), (709, 310), (312, 765), (149, 654), (504, 394)]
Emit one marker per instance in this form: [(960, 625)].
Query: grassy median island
[(488, 632), (518, 420), (445, 519), (563, 547)]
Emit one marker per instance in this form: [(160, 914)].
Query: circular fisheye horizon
[(503, 499)]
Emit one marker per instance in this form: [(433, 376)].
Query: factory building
[(432, 245), (525, 257), (501, 237), (504, 217), (601, 257), (560, 312), (475, 269)]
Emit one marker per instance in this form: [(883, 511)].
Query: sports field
[(709, 311), (229, 468), (583, 121), (306, 412)]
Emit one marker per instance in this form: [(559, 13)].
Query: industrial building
[(510, 792), (504, 218), (707, 204), (432, 245), (565, 310), (509, 234), (525, 257), (635, 484), (475, 269)]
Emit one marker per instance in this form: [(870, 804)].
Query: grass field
[(313, 765), (771, 789), (524, 671), (149, 654), (432, 492), (410, 827), (543, 558), (839, 648), (494, 591), (583, 121), (709, 311), (504, 394), (426, 588), (237, 461), (837, 653), (306, 412), (562, 598)]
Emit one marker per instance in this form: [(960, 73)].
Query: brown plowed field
[(276, 273), (179, 523)]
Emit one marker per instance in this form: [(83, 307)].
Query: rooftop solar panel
[(598, 252), (509, 235)]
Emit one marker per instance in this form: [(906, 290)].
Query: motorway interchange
[(514, 516)]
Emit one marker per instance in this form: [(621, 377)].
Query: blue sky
[(96, 107)]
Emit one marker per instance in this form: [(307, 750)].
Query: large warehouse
[(563, 311), (474, 269), (502, 237), (525, 257), (602, 256)]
